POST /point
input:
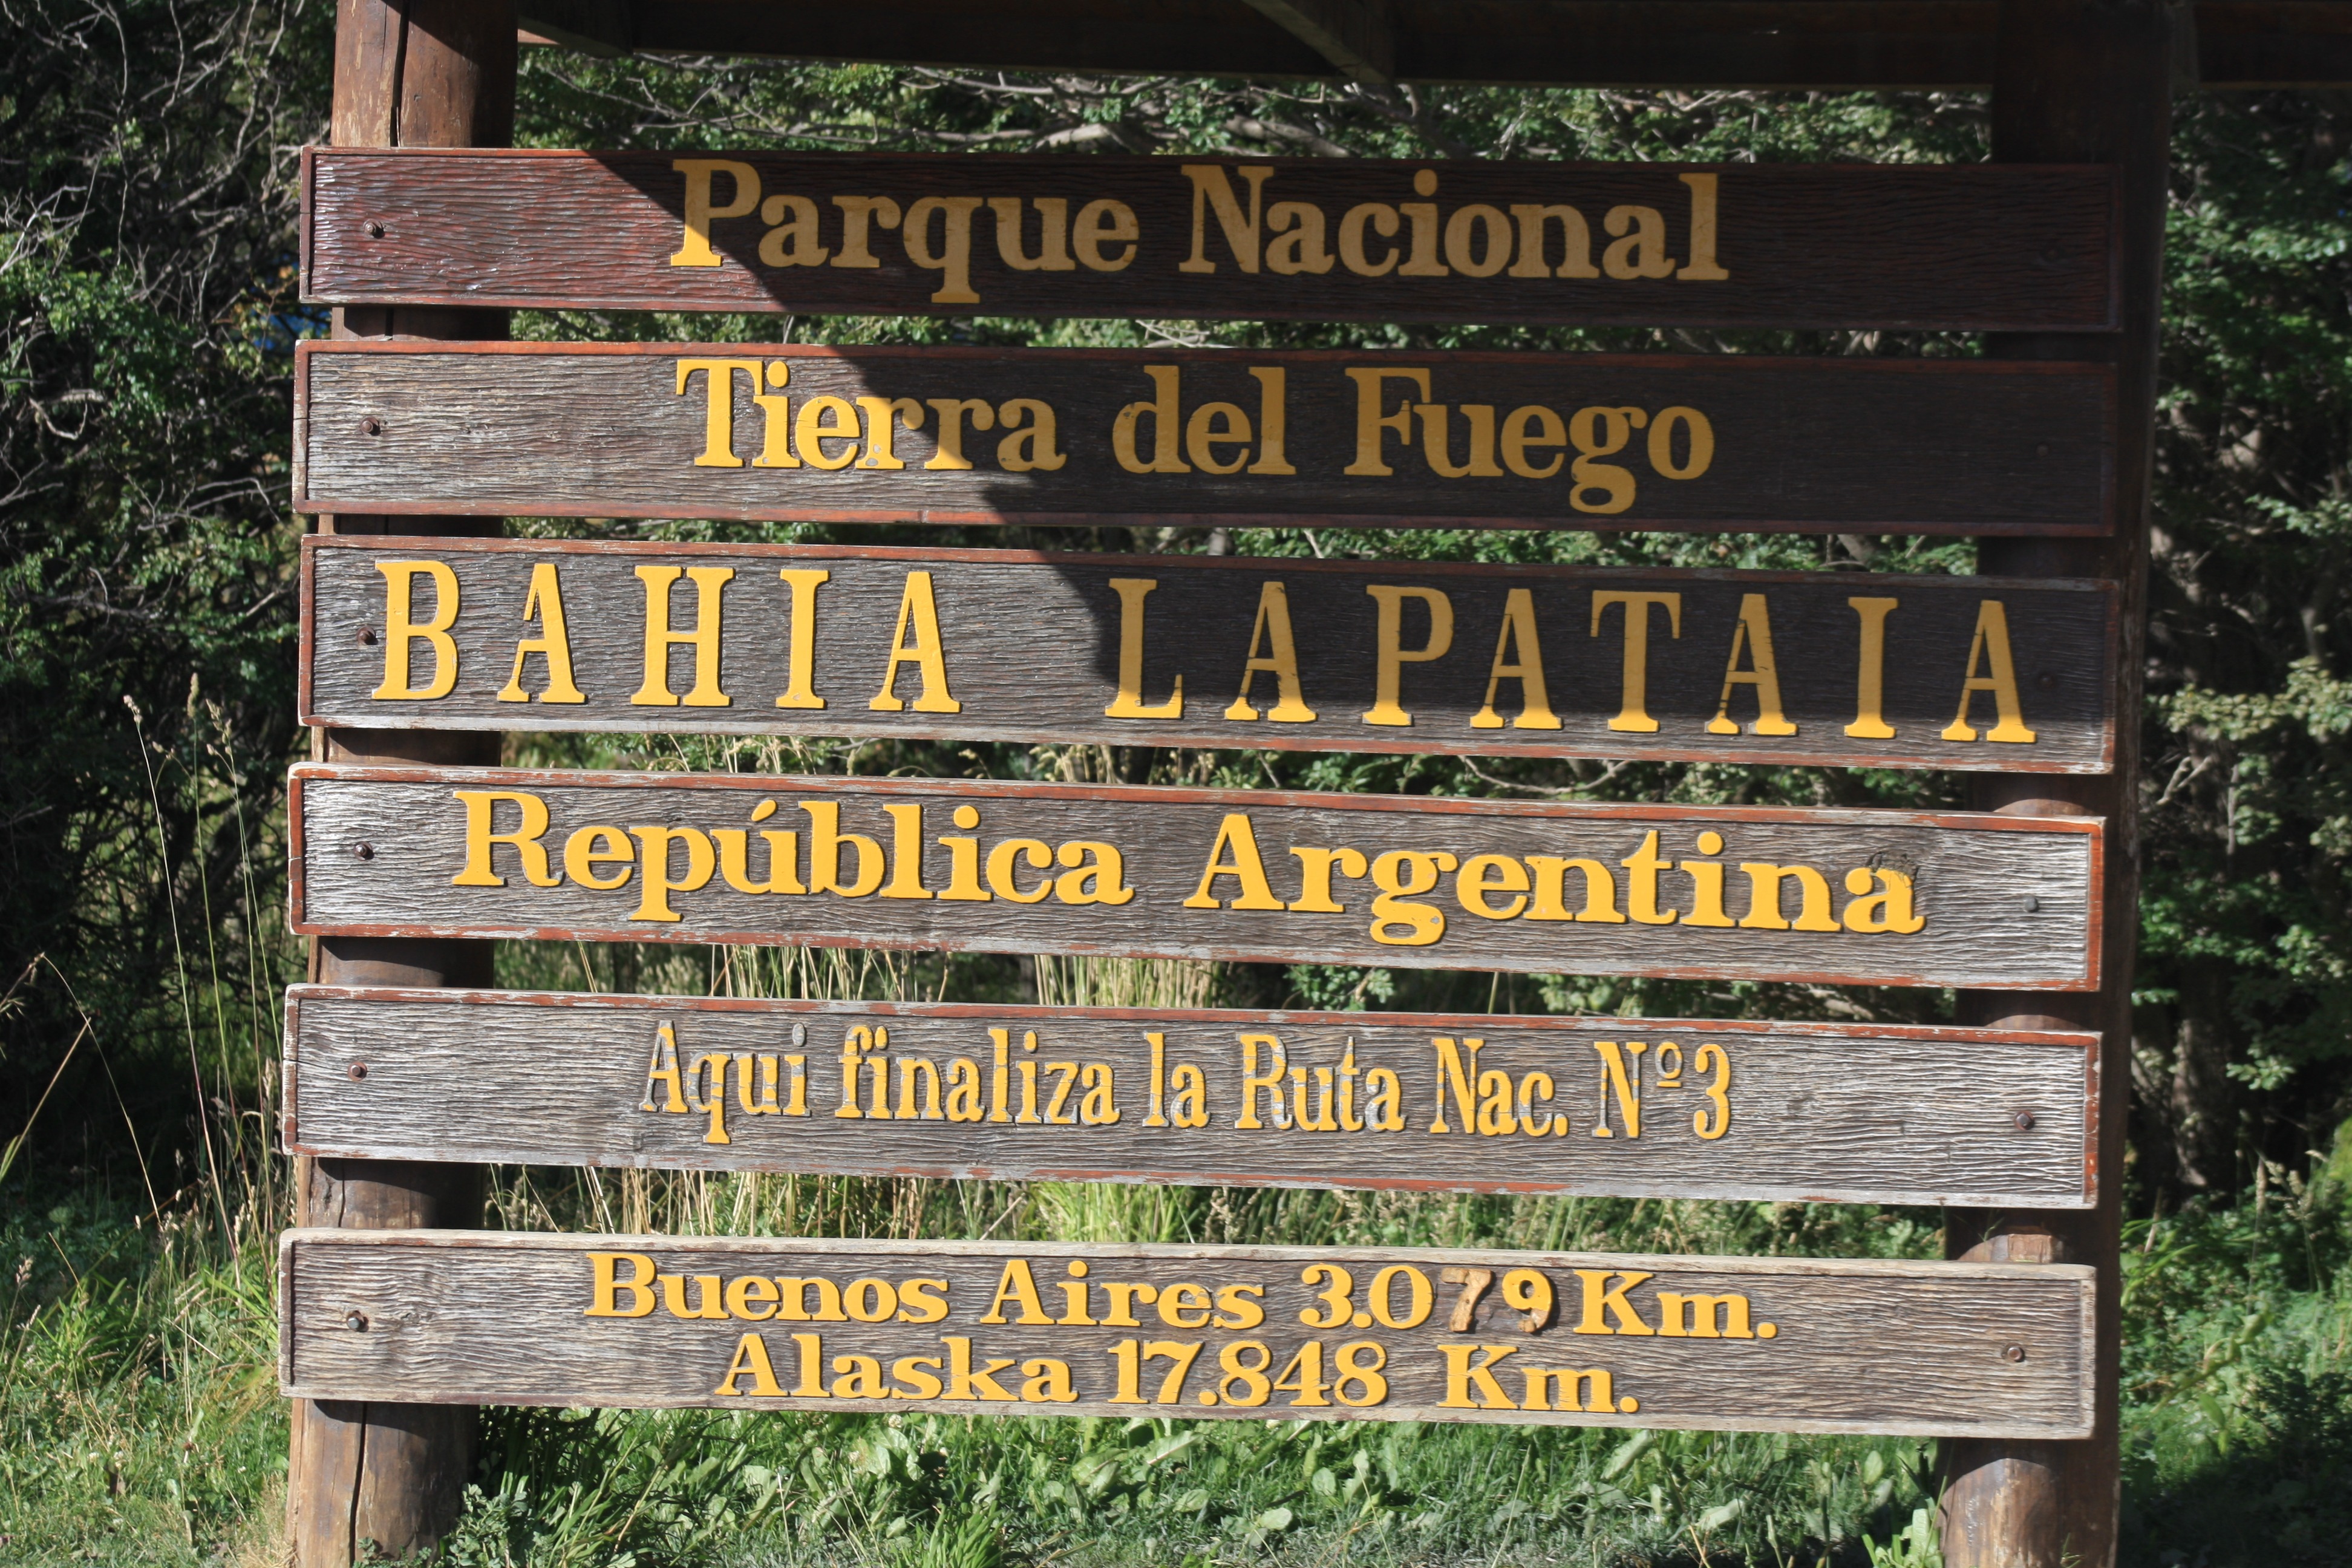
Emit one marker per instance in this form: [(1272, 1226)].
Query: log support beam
[(2078, 81), (368, 1480)]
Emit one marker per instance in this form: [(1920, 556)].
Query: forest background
[(147, 635)]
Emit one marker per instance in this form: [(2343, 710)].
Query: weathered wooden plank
[(1730, 892), (1080, 1330), (1818, 45), (1384, 439), (1963, 247), (1648, 1107), (1038, 647)]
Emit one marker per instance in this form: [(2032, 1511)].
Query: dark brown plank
[(1646, 441), (1900, 246), (1992, 899), (1852, 1346), (1036, 648), (1644, 1108), (1803, 44)]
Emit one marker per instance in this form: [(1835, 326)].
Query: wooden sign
[(1967, 249), (1656, 1108), (1734, 667), (1729, 892), (1793, 1345), (1364, 439)]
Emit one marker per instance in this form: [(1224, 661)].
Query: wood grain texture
[(625, 430), (2000, 900), (1034, 646), (1857, 1346), (1959, 247), (1814, 1112)]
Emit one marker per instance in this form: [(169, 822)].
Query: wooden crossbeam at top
[(1830, 43)]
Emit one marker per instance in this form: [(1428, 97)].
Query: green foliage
[(146, 616)]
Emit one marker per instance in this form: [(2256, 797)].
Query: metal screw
[(2042, 451), (364, 851), (2045, 680), (357, 1323), (2032, 905), (2024, 1117), (358, 1070), (372, 426), (2013, 1352), (367, 636), (374, 230)]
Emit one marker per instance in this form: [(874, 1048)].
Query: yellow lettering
[(953, 262), (1391, 655), (1992, 646), (1246, 867), (1371, 422), (544, 602), (1212, 190), (1870, 678), (1754, 633), (607, 1287), (1272, 632), (694, 249), (529, 850), (709, 584), (402, 631), (928, 655), (1128, 703), (1633, 714), (1518, 637)]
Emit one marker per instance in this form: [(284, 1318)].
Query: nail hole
[(367, 636), (357, 1323), (2045, 680), (374, 230), (2013, 1352), (2025, 1119), (364, 851), (372, 426), (2042, 451), (358, 1070)]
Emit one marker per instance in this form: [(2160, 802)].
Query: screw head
[(374, 230), (2041, 450), (356, 1322), (2032, 905), (358, 1070), (371, 425), (2024, 1119), (2013, 1352), (364, 851), (2045, 681)]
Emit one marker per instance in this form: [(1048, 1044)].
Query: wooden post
[(2078, 81), (373, 1477)]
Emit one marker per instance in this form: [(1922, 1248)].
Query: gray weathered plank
[(1415, 881), (1962, 248), (1036, 647), (1780, 1112), (1854, 1346), (1550, 441)]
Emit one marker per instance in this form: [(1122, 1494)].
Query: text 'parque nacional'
[(1846, 1113), (1961, 247), (1834, 896), (1328, 1333), (1750, 667), (1372, 440)]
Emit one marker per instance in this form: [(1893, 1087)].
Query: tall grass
[(138, 1420)]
